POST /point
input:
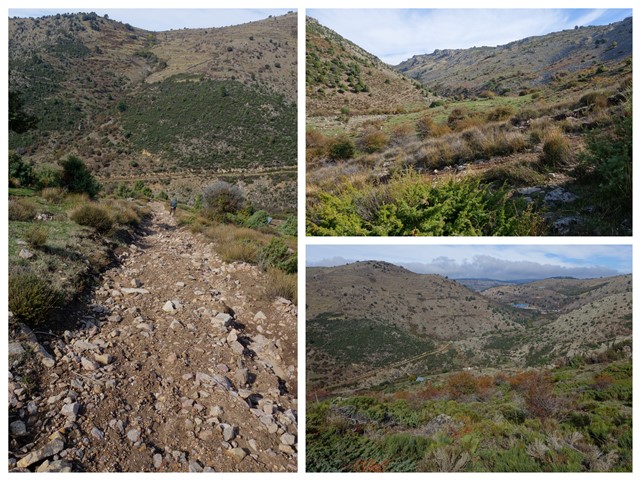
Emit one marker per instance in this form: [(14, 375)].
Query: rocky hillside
[(342, 78), (131, 101), (371, 321), (522, 64)]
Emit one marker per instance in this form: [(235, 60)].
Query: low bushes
[(31, 297), (21, 210), (92, 215)]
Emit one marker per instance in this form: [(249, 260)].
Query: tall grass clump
[(556, 151), (32, 298), (21, 211), (282, 284), (92, 215), (36, 235)]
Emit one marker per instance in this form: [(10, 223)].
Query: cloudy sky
[(394, 35), (161, 19), (498, 262)]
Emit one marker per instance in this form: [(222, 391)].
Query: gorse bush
[(289, 226), (257, 219), (32, 297), (407, 205), (92, 215), (277, 254), (220, 199)]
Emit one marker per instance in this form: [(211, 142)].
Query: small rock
[(15, 349), (89, 365), (242, 376), (104, 359), (228, 432), (237, 347), (175, 324), (180, 284), (133, 435), (52, 448), (18, 428), (25, 253), (237, 453), (59, 466), (253, 444), (157, 460), (260, 316), (169, 307), (131, 291), (135, 283), (97, 433), (194, 466), (288, 439), (70, 409), (115, 318), (81, 346)]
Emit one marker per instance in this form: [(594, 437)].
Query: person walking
[(174, 204)]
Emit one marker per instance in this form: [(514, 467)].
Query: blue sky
[(159, 19), (394, 35), (500, 262)]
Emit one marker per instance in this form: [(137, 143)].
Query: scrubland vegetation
[(574, 417), (480, 165)]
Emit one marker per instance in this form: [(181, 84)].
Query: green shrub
[(609, 153), (20, 173), (21, 211), (220, 199), (31, 297), (36, 235), (257, 220), (277, 254), (500, 113), (92, 215), (289, 226), (341, 148), (48, 176), (76, 177), (593, 99)]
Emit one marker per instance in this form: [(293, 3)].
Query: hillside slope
[(131, 101), (522, 64), (366, 321), (342, 77)]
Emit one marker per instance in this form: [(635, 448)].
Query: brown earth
[(177, 361)]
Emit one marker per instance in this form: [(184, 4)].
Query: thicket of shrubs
[(565, 419)]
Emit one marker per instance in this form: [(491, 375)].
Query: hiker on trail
[(174, 204)]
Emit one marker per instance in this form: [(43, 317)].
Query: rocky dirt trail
[(177, 362)]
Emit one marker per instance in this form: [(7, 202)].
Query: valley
[(507, 140), (417, 372)]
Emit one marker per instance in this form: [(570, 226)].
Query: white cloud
[(501, 262)]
